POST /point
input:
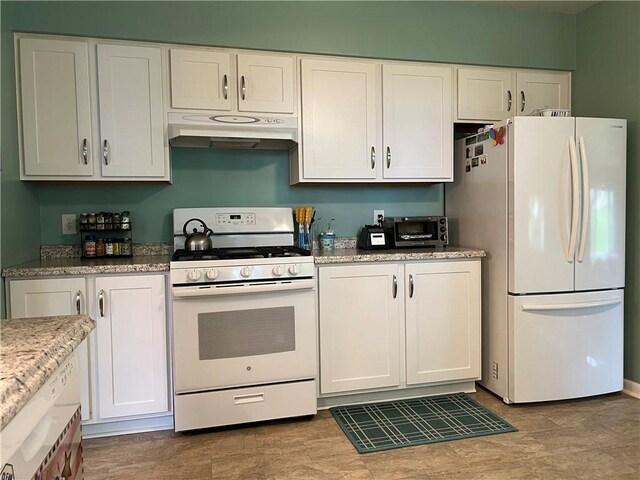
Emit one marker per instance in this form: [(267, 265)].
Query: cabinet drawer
[(244, 405)]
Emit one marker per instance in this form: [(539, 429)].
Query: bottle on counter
[(125, 220), (116, 247), (90, 246), (91, 221)]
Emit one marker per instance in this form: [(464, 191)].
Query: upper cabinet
[(91, 112), (375, 122), (225, 81), (493, 94)]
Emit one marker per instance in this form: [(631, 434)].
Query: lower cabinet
[(394, 325), (125, 368)]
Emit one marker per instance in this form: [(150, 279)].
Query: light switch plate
[(69, 224)]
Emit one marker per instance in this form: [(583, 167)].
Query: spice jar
[(125, 220), (91, 221), (90, 246), (115, 219), (108, 225), (99, 248), (126, 249), (100, 221), (83, 221), (116, 247), (108, 247)]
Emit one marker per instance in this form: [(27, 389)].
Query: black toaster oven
[(430, 231)]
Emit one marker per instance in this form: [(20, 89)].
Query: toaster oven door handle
[(410, 286), (395, 286)]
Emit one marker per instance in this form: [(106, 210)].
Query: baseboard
[(631, 388), (122, 427)]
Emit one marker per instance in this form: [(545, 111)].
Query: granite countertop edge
[(26, 366), (352, 255), (160, 263)]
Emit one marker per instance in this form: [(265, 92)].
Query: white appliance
[(43, 440), (545, 197), (244, 320), (233, 131)]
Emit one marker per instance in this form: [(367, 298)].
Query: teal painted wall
[(607, 83), (434, 31)]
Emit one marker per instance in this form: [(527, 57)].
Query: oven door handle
[(242, 288)]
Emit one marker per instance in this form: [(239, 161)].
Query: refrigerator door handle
[(585, 199), (570, 306), (575, 201)]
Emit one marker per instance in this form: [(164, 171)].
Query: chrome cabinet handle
[(410, 286), (373, 158), (105, 152), (243, 87), (101, 302), (225, 86), (524, 100), (85, 150), (388, 157), (78, 302), (509, 100), (395, 286)]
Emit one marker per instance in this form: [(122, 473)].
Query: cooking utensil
[(197, 240)]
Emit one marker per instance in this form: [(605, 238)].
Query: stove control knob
[(194, 275), (245, 271), (278, 270), (211, 274), (294, 269)]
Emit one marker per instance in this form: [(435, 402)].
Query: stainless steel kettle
[(197, 240)]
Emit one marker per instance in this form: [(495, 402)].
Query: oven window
[(417, 230), (245, 333)]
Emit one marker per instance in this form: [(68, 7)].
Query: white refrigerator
[(545, 198)]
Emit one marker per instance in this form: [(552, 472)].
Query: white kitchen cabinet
[(442, 321), (90, 111), (359, 327), (341, 131), (388, 325), (225, 81), (56, 108), (124, 371), (417, 122), (131, 113), (493, 94), (375, 122), (50, 297), (131, 345)]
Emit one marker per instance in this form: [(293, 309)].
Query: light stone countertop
[(51, 267), (353, 255), (31, 349)]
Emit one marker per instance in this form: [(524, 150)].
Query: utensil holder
[(304, 236)]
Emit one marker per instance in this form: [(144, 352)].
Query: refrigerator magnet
[(467, 165), (475, 161), (483, 160)]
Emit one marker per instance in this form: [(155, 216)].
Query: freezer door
[(603, 157), (541, 197), (565, 345)]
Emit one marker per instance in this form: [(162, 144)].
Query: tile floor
[(597, 438)]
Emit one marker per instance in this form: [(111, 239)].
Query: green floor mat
[(373, 427)]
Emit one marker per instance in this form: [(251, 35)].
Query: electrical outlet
[(69, 223), (378, 216)]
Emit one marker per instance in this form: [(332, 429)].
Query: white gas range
[(244, 320)]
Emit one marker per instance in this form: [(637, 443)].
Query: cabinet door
[(442, 321), (201, 79), (359, 327), (265, 83), (417, 122), (132, 345), (340, 121), (485, 94), (49, 297), (56, 116), (131, 113), (542, 90)]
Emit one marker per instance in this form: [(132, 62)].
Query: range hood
[(232, 131)]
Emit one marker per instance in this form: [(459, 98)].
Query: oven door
[(229, 336)]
